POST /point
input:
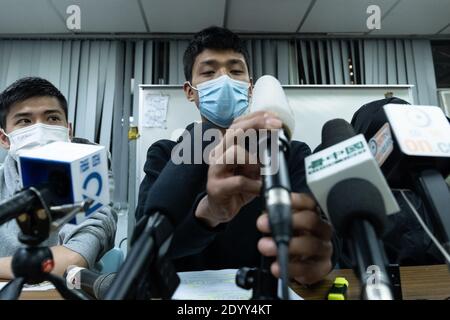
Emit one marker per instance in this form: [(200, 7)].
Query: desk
[(40, 295), (421, 282)]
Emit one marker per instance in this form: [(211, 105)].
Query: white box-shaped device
[(83, 167)]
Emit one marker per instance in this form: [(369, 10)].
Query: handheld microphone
[(350, 188), (268, 95)]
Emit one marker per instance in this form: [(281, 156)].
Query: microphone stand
[(278, 204), (263, 283), (33, 263), (147, 272), (369, 262), (356, 221)]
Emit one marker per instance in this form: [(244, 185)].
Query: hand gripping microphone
[(268, 95)]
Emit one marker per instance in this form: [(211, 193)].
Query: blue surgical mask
[(222, 100)]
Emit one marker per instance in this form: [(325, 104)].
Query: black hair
[(212, 38), (371, 117), (24, 89)]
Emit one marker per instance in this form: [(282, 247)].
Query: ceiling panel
[(408, 17), (411, 17), (106, 15), (341, 16), (183, 16), (266, 15), (25, 16)]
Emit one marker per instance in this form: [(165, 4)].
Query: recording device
[(350, 188)]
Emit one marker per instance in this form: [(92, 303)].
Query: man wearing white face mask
[(223, 228), (35, 135), (33, 113)]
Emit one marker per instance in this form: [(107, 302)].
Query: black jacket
[(230, 245)]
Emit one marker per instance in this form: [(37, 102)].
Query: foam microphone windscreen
[(355, 199), (268, 95), (335, 131)]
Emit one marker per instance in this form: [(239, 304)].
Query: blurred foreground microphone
[(93, 283), (147, 271), (59, 175), (351, 190), (268, 95), (412, 146)]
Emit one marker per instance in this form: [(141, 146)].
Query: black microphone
[(358, 214), (32, 198), (23, 201), (411, 143), (93, 283), (179, 183), (268, 95), (355, 204), (333, 132), (168, 202)]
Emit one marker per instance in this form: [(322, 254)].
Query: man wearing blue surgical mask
[(223, 229), (33, 113)]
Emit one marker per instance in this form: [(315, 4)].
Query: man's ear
[(70, 131), (4, 140), (250, 89), (189, 92)]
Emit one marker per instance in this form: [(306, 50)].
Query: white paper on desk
[(214, 285), (155, 110), (44, 286)]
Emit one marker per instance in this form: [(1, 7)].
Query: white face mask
[(36, 135)]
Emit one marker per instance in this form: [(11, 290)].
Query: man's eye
[(54, 119), (23, 121), (237, 72), (207, 73)]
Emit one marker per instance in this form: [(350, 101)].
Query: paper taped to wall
[(155, 110)]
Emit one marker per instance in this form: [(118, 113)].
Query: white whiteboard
[(312, 105)]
